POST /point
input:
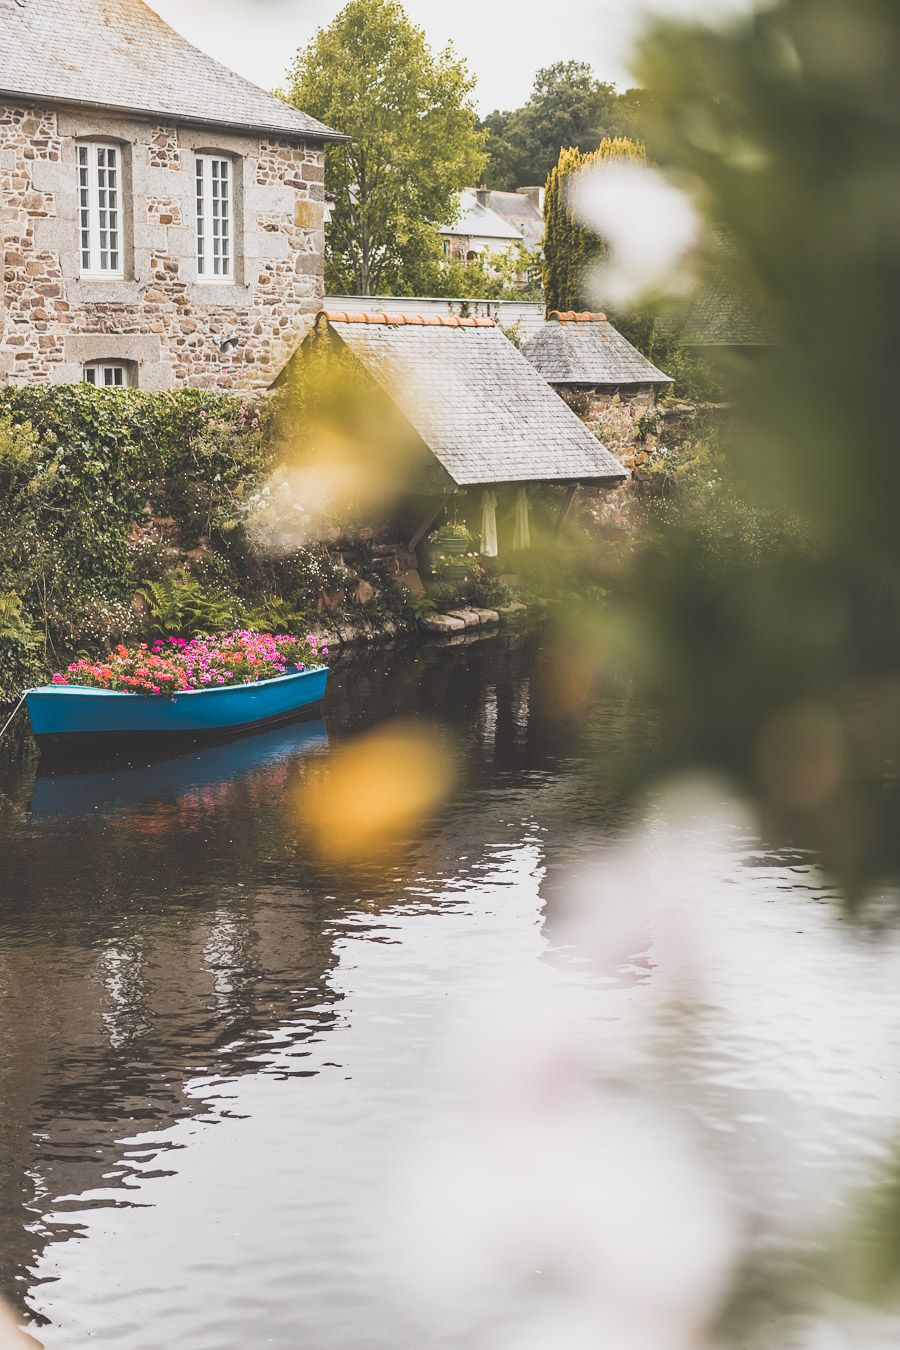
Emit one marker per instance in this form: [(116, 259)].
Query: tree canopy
[(568, 106), (568, 245), (415, 141)]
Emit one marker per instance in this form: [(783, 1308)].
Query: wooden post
[(425, 526), (566, 506)]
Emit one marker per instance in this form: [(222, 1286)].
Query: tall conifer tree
[(568, 246)]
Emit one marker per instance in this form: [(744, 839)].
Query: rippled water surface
[(212, 1054)]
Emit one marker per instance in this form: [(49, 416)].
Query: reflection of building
[(185, 936), (163, 217), (584, 354)]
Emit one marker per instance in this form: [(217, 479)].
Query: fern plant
[(276, 615), (15, 627), (180, 606)]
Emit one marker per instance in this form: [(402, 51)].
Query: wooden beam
[(566, 506), (425, 526)]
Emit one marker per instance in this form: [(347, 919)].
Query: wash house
[(588, 362), (464, 422)]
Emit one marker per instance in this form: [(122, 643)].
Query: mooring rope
[(12, 717)]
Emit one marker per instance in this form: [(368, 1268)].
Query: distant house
[(479, 416), (163, 217), (583, 354), (478, 229), (524, 209)]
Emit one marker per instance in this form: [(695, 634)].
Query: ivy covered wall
[(121, 510)]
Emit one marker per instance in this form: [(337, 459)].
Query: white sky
[(504, 43)]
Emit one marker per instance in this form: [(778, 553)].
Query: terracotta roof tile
[(400, 320)]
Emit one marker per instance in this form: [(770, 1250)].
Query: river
[(221, 1063)]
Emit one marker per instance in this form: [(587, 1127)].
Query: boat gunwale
[(86, 689)]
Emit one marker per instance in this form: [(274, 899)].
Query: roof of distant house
[(722, 313), (585, 349), (521, 209), (476, 403), (719, 317), (477, 221), (120, 56)]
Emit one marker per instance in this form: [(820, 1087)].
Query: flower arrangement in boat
[(176, 665)]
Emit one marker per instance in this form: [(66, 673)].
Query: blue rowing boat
[(71, 717)]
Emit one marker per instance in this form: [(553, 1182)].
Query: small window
[(100, 210), (109, 374), (215, 219)]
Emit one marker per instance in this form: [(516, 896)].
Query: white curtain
[(522, 531), (489, 524)]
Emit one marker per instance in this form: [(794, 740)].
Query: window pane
[(99, 209), (214, 238)]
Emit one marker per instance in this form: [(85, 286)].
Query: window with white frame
[(215, 218), (100, 210), (109, 374)]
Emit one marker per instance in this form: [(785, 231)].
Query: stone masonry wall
[(159, 317)]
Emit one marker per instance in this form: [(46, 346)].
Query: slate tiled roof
[(721, 313), (480, 221), (719, 317), (119, 54), (480, 408), (585, 349), (522, 211)]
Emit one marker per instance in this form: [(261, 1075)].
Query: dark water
[(208, 1045)]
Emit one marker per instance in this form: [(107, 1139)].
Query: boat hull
[(68, 717)]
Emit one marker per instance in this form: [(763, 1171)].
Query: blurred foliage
[(514, 274), (568, 245), (373, 795), (415, 143), (568, 106), (763, 611)]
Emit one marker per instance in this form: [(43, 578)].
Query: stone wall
[(158, 317)]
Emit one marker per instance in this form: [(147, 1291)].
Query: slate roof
[(119, 55), (477, 220), (522, 211), (719, 317), (480, 408), (721, 314), (585, 349)]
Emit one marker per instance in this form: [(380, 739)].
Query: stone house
[(478, 229), (492, 222), (162, 217), (588, 362)]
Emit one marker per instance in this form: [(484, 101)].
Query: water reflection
[(83, 786), (211, 1052), (160, 924)]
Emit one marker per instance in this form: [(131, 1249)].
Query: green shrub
[(21, 649), (181, 606)]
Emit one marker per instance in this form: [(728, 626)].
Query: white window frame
[(106, 374), (100, 216), (214, 190)]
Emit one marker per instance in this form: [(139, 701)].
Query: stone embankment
[(449, 624)]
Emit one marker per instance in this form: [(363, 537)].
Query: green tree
[(568, 246), (415, 141), (568, 106)]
